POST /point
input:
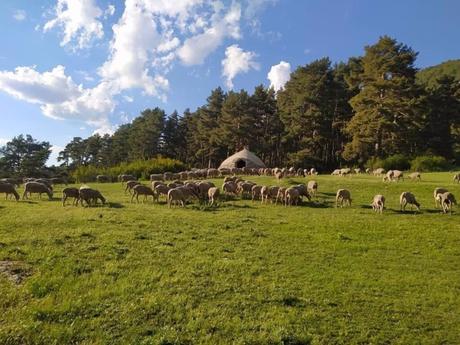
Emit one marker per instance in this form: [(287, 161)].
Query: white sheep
[(436, 193), (213, 195), (415, 176), (342, 196), (378, 204), (447, 200)]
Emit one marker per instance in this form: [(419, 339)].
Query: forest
[(370, 108)]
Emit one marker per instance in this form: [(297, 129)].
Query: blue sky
[(72, 67)]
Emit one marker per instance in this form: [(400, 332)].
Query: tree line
[(327, 115)]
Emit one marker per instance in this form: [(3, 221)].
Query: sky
[(77, 67)]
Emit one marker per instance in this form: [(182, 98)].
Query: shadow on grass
[(318, 204), (114, 205)]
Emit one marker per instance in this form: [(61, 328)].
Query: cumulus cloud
[(110, 11), (237, 61), (279, 74), (79, 22), (58, 95), (52, 160), (19, 15), (195, 49)]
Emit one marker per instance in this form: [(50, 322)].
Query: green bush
[(141, 169), (395, 162), (430, 163)]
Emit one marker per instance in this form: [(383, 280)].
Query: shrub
[(395, 162), (141, 169), (430, 163)]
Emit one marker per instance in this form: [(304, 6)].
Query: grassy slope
[(428, 76), (242, 273)]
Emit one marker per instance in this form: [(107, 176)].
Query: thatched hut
[(242, 159)]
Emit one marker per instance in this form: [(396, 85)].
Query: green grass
[(242, 273)]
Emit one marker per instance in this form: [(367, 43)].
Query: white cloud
[(19, 15), (58, 95), (79, 21), (3, 141), (110, 11), (254, 6), (128, 99), (195, 49), (237, 61), (55, 149), (279, 74)]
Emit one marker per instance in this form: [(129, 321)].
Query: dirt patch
[(16, 271)]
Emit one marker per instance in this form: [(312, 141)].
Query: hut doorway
[(240, 163)]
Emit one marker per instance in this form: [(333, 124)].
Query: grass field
[(241, 273)]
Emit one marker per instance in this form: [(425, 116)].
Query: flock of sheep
[(180, 188)]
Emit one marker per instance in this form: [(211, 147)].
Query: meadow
[(239, 273)]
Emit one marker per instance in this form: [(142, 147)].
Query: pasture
[(240, 273)]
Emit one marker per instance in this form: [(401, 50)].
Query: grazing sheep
[(157, 183), (280, 195), (130, 185), (368, 170), (303, 191), (279, 175), (378, 204), (125, 178), (90, 196), (388, 176), (37, 187), (213, 195), (46, 182), (436, 193), (156, 177), (203, 188), (312, 187), (447, 200), (229, 187), (8, 189), (273, 193), (378, 172), (342, 196), (457, 178), (70, 192), (162, 189), (15, 182), (245, 188), (415, 176), (291, 196), (345, 171), (357, 171), (408, 198), (313, 171), (176, 196), (102, 178), (256, 192), (264, 194), (336, 172), (145, 191), (398, 175)]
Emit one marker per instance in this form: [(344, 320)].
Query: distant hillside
[(429, 75)]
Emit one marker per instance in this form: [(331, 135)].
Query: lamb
[(378, 204), (130, 185), (415, 176), (343, 195), (291, 196), (36, 187), (256, 192), (213, 195), (102, 178), (145, 191), (8, 189), (457, 178), (90, 196), (312, 187), (447, 200), (176, 196), (408, 198), (436, 193), (70, 192)]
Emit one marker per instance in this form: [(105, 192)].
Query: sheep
[(203, 188), (378, 204), (212, 173), (37, 187), (59, 180), (213, 195), (15, 182), (245, 188), (264, 194), (145, 191), (157, 183), (90, 196), (303, 191), (291, 196), (388, 176), (436, 193), (162, 189), (279, 175), (130, 185), (46, 182), (102, 178), (368, 170), (176, 196), (447, 200), (343, 195), (357, 171), (125, 178), (70, 192), (457, 178), (313, 171), (312, 187), (378, 172), (408, 198), (256, 192), (397, 175), (336, 172), (8, 189), (229, 187), (415, 176), (345, 171), (280, 195), (273, 193)]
